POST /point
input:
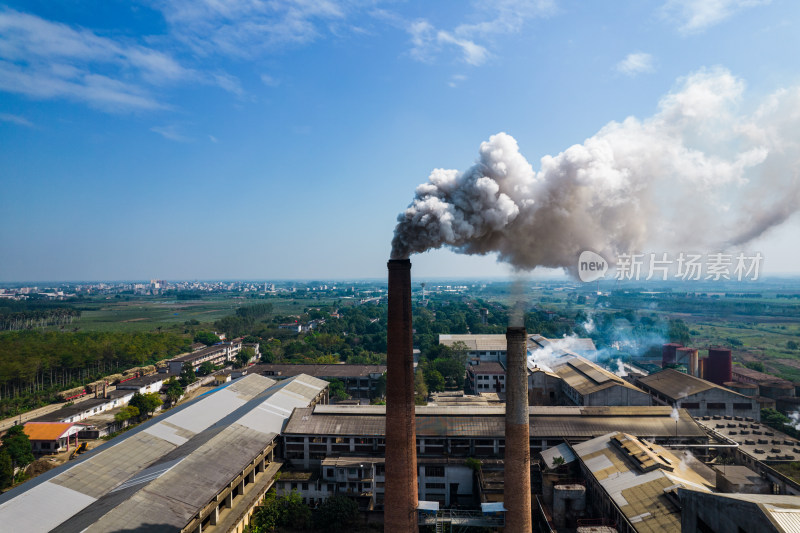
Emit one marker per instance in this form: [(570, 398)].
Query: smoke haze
[(700, 174)]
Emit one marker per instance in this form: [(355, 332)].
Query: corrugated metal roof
[(641, 496), (587, 377), (171, 466), (455, 421), (677, 385)]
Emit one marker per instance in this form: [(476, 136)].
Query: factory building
[(202, 466), (628, 480), (485, 377), (325, 436), (586, 383), (698, 396), (493, 347), (481, 348), (360, 381), (765, 513)]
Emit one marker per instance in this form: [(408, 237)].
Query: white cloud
[(456, 80), (15, 119), (636, 63), (499, 18), (247, 28), (694, 16), (269, 81), (212, 139), (44, 59), (171, 132)]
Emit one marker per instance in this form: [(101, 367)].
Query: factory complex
[(562, 444)]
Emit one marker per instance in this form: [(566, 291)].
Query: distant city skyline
[(280, 140)]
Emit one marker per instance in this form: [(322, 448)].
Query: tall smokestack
[(517, 475), (400, 502)]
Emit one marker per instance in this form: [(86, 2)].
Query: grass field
[(145, 314)]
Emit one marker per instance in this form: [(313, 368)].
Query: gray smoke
[(699, 174)]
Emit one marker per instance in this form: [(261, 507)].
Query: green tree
[(174, 391), (146, 403), (758, 366), (792, 345), (206, 337), (337, 513), (678, 332), (206, 368), (126, 413), (434, 380), (337, 391), (187, 374), (275, 512), (18, 446), (420, 388), (6, 469), (244, 356)]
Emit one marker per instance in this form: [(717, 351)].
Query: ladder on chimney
[(439, 525)]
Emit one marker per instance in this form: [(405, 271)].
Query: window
[(294, 486), (434, 485), (305, 486), (331, 487), (690, 405), (742, 406), (711, 405), (434, 471), (329, 472)]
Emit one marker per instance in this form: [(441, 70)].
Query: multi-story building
[(485, 377), (218, 354), (353, 437)]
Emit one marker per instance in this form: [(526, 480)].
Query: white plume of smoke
[(621, 372), (675, 415), (555, 352), (795, 419), (699, 174)]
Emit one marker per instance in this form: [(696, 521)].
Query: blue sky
[(258, 139)]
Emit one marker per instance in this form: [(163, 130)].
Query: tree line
[(34, 365)]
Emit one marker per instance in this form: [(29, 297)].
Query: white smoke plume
[(702, 173), (675, 415), (795, 419), (621, 372)]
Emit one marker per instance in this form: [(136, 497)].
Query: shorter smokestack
[(669, 354), (517, 470)]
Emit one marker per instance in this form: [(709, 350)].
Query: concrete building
[(629, 480), (145, 384), (202, 466), (218, 354), (485, 377), (700, 397), (87, 408), (745, 513), (492, 347), (481, 348), (360, 381), (586, 383), (446, 437), (757, 447), (544, 387)]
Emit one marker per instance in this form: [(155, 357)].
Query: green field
[(149, 314)]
